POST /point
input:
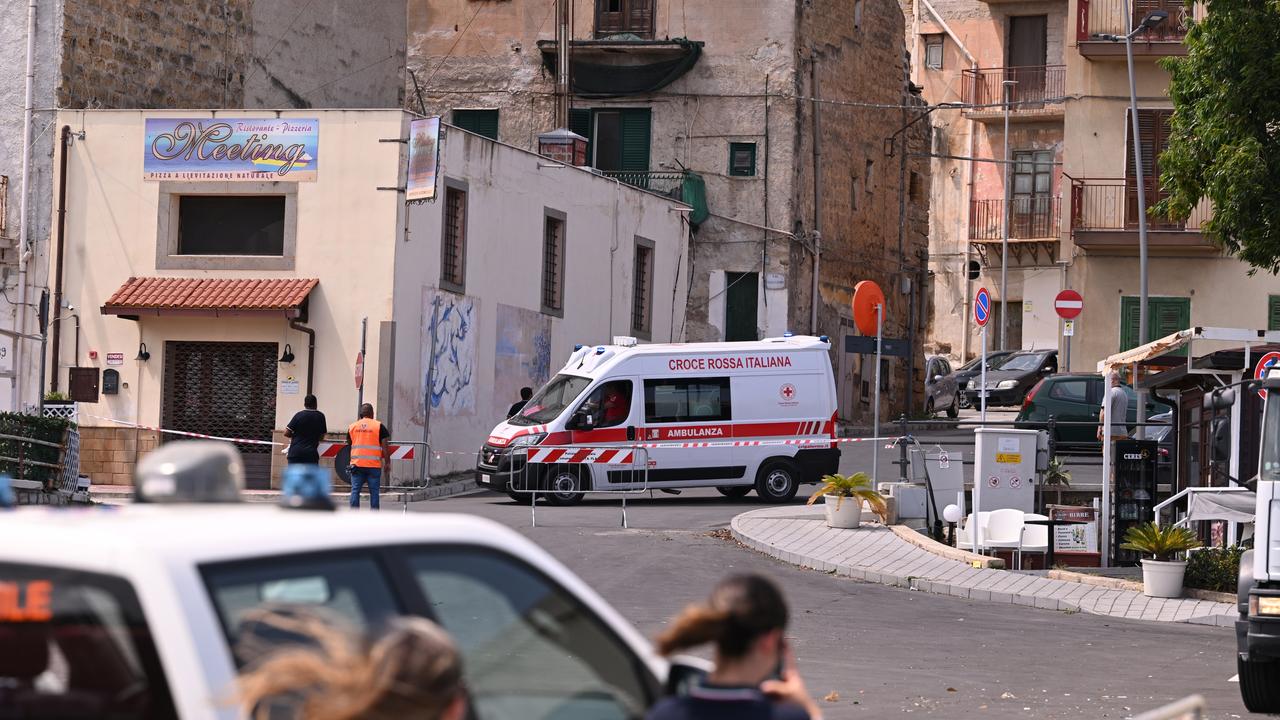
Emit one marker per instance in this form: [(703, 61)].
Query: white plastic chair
[(1004, 530), (1035, 538), (964, 538)]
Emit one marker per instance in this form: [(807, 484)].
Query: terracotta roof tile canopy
[(219, 297)]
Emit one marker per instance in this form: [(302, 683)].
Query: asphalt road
[(873, 650)]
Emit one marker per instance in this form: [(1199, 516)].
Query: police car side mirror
[(582, 420)]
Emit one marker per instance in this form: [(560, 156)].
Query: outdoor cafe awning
[(1175, 341), (1233, 504)]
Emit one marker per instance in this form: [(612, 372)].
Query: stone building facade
[(194, 54), (665, 90)]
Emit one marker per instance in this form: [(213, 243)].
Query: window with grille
[(642, 291), (742, 159), (933, 51), (553, 264), (453, 265)]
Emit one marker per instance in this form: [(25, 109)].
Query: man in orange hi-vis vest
[(368, 440)]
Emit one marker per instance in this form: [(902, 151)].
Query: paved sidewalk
[(874, 553)]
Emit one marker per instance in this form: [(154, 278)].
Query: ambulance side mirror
[(582, 420)]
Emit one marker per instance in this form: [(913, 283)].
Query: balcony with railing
[(1104, 220), (1107, 17), (1036, 93), (1034, 227), (687, 187)]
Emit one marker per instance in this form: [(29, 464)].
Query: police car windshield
[(551, 400)]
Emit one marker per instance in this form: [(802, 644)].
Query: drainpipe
[(25, 232), (311, 351), (64, 143), (817, 195)]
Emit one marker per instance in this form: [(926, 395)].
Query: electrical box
[(945, 470), (1005, 469), (83, 384)]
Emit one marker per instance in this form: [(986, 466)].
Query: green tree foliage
[(1224, 144)]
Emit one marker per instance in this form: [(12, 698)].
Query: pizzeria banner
[(222, 149)]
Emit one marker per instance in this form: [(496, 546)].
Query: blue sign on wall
[(225, 149)]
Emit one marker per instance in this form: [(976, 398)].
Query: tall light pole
[(1154, 18), (1004, 225)]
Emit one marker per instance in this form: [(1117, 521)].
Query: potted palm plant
[(855, 488), (1162, 573), (1057, 476)]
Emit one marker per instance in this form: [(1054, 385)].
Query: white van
[(669, 399)]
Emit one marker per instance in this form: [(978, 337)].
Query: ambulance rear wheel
[(777, 480), (734, 492), (564, 485)]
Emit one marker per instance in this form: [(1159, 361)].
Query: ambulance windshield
[(551, 400), (1270, 469)]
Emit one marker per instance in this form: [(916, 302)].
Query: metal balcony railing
[(1112, 204), (1034, 86), (665, 183), (1098, 17), (1030, 218)]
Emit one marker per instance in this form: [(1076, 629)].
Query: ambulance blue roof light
[(788, 334), (600, 350)]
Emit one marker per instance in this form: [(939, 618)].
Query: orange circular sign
[(866, 296)]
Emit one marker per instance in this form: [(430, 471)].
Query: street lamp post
[(1154, 18), (1004, 225)]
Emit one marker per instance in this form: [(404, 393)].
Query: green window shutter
[(1128, 323), (635, 140), (480, 122), (580, 123), (1273, 312), (742, 159)]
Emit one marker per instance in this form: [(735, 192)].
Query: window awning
[(212, 297)]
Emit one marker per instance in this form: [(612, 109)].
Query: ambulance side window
[(687, 400)]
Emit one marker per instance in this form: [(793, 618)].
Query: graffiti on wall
[(451, 369), (523, 355)]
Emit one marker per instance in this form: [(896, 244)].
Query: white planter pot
[(1163, 578), (848, 515)]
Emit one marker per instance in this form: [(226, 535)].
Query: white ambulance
[(736, 416)]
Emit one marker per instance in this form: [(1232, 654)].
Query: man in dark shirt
[(525, 394), (305, 431)]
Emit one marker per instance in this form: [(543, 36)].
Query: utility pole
[(817, 191), (1004, 226), (564, 36)]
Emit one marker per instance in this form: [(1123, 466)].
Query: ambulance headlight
[(530, 439), (1007, 385)]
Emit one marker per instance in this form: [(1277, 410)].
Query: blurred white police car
[(137, 612)]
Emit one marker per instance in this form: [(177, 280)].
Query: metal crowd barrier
[(544, 464), (418, 459)]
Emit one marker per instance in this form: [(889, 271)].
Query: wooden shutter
[(610, 17), (1165, 315), (580, 123), (1129, 323), (480, 122), (639, 17), (1153, 126), (1273, 312), (635, 139)]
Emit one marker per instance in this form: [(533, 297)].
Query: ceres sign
[(222, 149)]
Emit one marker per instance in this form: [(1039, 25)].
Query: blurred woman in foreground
[(755, 674), (410, 672)]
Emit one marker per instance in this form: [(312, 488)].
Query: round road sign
[(1068, 304), (866, 296), (1265, 363), (359, 370), (982, 307)]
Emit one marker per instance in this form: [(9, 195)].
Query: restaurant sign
[(231, 149)]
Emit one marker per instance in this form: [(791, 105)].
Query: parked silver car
[(940, 389)]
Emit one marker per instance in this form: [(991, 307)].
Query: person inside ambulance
[(609, 405)]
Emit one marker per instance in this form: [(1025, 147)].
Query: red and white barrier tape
[(754, 443), (398, 452), (183, 433), (582, 456)]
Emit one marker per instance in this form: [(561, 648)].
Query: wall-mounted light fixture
[(287, 355), (143, 355)]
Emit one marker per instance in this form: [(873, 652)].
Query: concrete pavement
[(874, 553)]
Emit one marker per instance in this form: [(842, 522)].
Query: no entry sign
[(1265, 363), (982, 307), (1068, 304)]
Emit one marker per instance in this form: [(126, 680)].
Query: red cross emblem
[(787, 391)]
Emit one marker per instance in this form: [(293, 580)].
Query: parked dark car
[(1165, 452), (972, 370), (940, 391), (1010, 383), (1075, 398)]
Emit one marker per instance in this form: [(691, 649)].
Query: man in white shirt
[(1119, 400)]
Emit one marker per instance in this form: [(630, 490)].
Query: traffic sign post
[(1265, 363), (982, 315), (868, 306), (1068, 304)]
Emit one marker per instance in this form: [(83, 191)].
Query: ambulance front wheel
[(778, 480), (564, 485)]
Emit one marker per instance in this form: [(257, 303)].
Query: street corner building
[(221, 265), (781, 122)]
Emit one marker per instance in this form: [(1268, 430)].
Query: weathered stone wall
[(129, 54), (108, 455), (861, 62)]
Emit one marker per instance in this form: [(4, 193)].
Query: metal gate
[(226, 389)]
